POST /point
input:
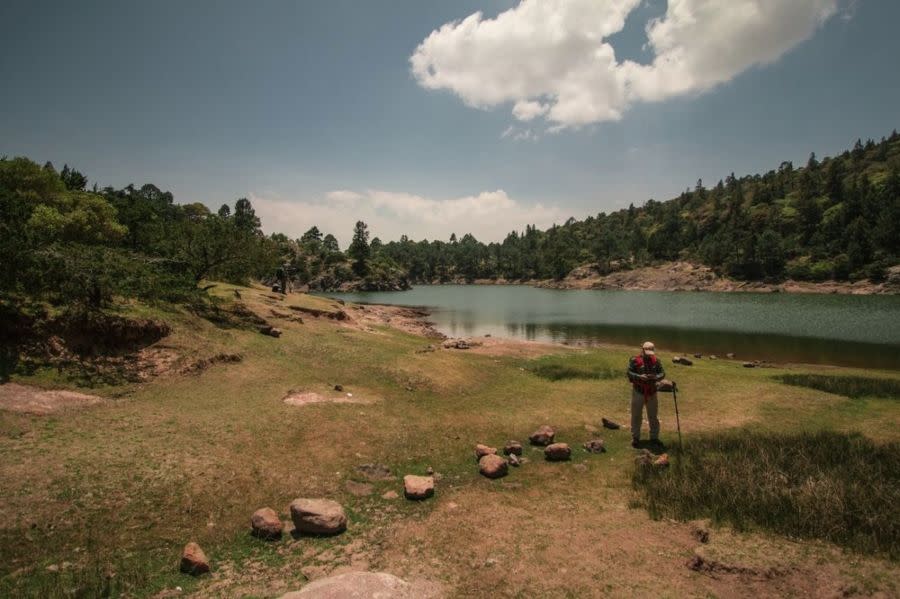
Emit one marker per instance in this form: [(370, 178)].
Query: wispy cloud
[(489, 215)]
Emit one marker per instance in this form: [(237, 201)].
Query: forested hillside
[(832, 218)]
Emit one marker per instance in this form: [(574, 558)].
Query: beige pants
[(637, 414)]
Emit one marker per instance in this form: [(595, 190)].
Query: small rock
[(418, 487), (713, 357), (542, 436), (512, 448), (483, 450), (429, 471), (391, 495), (493, 466), (683, 361), (730, 356), (749, 365), (52, 568), (266, 524), (595, 446), (558, 452), (318, 516), (338, 387), (270, 331), (661, 461), (514, 460), (701, 533), (698, 356), (610, 424), (193, 560)]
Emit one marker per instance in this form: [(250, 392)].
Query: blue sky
[(314, 111)]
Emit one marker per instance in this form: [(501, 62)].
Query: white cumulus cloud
[(551, 58), (489, 216)]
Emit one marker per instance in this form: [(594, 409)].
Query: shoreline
[(685, 276)]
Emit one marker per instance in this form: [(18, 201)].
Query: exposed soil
[(408, 320), (40, 402), (303, 398)]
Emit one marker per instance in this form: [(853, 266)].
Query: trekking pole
[(677, 418)]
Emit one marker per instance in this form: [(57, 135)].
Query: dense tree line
[(63, 243), (835, 218)]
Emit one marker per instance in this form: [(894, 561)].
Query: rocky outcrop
[(193, 560), (265, 524), (418, 487), (542, 436), (558, 452), (493, 466), (318, 516)]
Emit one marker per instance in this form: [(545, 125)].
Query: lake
[(851, 330)]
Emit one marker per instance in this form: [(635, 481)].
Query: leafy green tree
[(359, 248)]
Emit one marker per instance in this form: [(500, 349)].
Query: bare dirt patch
[(303, 398), (32, 400), (409, 320)]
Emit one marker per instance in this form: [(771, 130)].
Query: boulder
[(483, 450), (665, 385), (356, 585), (595, 446), (558, 452), (193, 560), (542, 436), (713, 357), (730, 356), (493, 466), (698, 356), (266, 524), (512, 448), (418, 487), (270, 331), (749, 365), (318, 516), (683, 361), (610, 424)]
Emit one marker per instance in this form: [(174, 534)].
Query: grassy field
[(100, 501)]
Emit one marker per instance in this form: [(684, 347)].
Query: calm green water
[(829, 329)]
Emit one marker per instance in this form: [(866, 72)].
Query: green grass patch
[(574, 366), (842, 488), (848, 386)]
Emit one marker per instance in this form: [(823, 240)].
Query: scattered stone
[(269, 330), (661, 461), (595, 446), (429, 471), (610, 424), (375, 472), (338, 387), (266, 524), (514, 460), (512, 448), (665, 385), (391, 495), (318, 516), (356, 585), (483, 450), (558, 452), (358, 489), (713, 357), (193, 560), (493, 466), (730, 356), (749, 365), (698, 356), (683, 361), (542, 436), (418, 487)]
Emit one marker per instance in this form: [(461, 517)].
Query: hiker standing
[(644, 370)]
